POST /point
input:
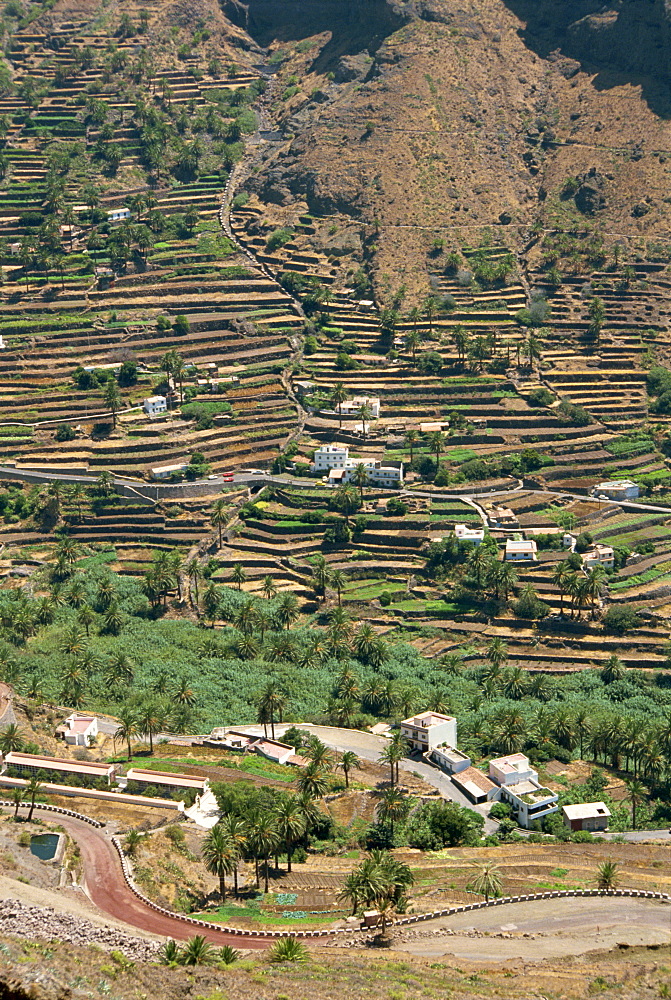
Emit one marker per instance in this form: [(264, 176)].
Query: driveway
[(369, 747)]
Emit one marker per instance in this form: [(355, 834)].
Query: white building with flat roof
[(78, 730), (450, 759), (166, 471), (155, 405), (600, 555), (465, 534), (118, 215), (428, 730), (521, 550), (617, 489), (352, 407), (335, 460), (519, 787)]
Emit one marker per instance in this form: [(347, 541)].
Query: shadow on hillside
[(354, 26), (622, 47)]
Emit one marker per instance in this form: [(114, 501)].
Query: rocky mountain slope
[(417, 120)]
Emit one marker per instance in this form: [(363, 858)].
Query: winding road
[(106, 888)]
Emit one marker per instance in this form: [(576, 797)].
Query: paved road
[(637, 836), (370, 747), (106, 887), (560, 928)]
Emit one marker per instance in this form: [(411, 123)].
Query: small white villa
[(118, 215), (521, 550), (466, 534), (617, 489), (153, 406)]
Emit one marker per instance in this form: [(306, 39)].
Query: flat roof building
[(428, 730), (78, 730), (521, 550), (25, 764), (617, 489), (163, 779), (153, 405), (466, 534)]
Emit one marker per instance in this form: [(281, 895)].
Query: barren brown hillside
[(468, 116)]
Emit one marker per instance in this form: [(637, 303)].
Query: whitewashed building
[(429, 730), (153, 406)]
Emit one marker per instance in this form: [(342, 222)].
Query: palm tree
[(497, 652), (290, 824), (338, 396), (219, 517), (320, 575), (127, 729), (150, 721), (287, 610), (33, 789), (412, 342), (196, 951), (487, 880), (560, 578), (264, 839), (238, 575), (272, 704), (11, 739), (112, 398), (348, 762), (194, 572), (614, 670), (219, 856), (608, 875), (636, 794), (235, 832), (360, 478), (318, 753), (338, 582), (312, 781), (268, 587), (437, 444), (411, 441), (17, 796), (394, 806)]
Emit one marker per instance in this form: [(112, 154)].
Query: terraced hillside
[(101, 121)]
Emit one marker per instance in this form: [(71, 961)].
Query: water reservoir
[(44, 845)]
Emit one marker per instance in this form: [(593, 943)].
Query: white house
[(429, 730), (511, 769), (586, 816), (450, 759), (166, 471), (335, 460), (520, 550), (330, 456), (118, 215), (78, 730), (465, 534), (154, 405), (352, 407), (617, 489), (475, 785), (519, 787), (600, 555)]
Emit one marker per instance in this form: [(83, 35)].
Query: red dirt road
[(108, 890)]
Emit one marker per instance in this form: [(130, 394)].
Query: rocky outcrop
[(624, 35)]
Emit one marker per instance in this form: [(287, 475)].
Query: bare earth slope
[(452, 117)]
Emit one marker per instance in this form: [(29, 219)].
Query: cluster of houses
[(334, 460), (510, 779)]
